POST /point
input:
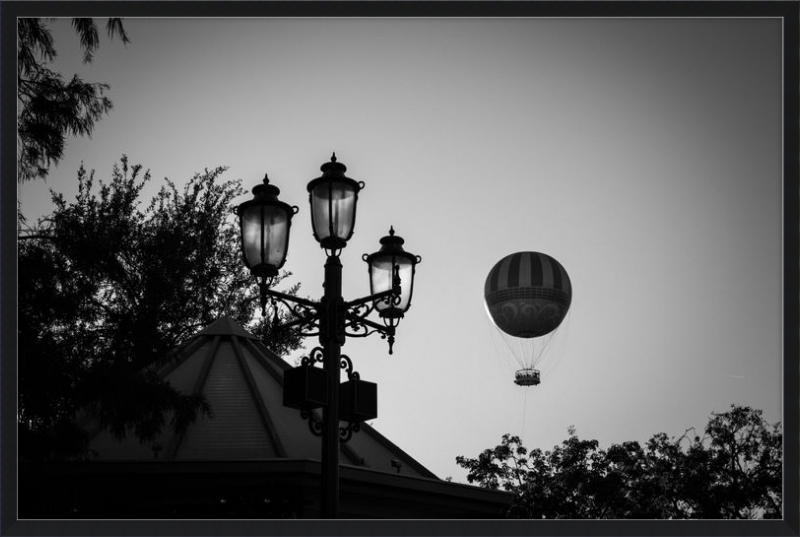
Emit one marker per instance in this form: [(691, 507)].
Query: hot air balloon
[(527, 295)]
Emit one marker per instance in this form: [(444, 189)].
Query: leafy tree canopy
[(733, 471), (109, 287), (50, 108)]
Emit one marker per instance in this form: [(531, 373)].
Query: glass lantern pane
[(406, 281), (381, 280), (265, 232), (333, 207)]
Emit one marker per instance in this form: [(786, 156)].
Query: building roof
[(243, 382)]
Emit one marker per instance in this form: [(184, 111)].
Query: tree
[(733, 471), (49, 108), (107, 289)]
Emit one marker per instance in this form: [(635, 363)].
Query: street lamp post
[(265, 223)]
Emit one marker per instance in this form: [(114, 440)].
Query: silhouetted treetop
[(109, 285), (733, 471), (50, 108)]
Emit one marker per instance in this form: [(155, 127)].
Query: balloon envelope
[(527, 294)]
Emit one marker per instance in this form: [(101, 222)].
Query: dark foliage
[(108, 289), (50, 108), (733, 471)]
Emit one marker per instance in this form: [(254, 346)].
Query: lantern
[(333, 198), (265, 223), (384, 265)]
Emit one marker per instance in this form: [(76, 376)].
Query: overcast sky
[(643, 154)]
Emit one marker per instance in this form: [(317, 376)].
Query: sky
[(643, 154)]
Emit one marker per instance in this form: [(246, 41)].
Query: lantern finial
[(266, 190), (333, 157)]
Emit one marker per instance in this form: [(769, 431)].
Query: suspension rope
[(524, 411)]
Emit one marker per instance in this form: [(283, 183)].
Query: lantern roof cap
[(392, 239), (265, 190), (333, 167), (334, 171), (392, 244)]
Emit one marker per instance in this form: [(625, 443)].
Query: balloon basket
[(527, 377)]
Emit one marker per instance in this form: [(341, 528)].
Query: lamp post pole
[(265, 223), (332, 342)]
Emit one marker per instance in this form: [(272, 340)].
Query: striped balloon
[(528, 294)]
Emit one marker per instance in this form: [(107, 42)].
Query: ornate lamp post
[(265, 223)]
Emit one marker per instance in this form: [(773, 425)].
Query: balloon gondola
[(527, 376)]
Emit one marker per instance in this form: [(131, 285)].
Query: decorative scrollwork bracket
[(346, 433), (305, 312), (314, 422), (347, 364), (361, 327), (316, 355)]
